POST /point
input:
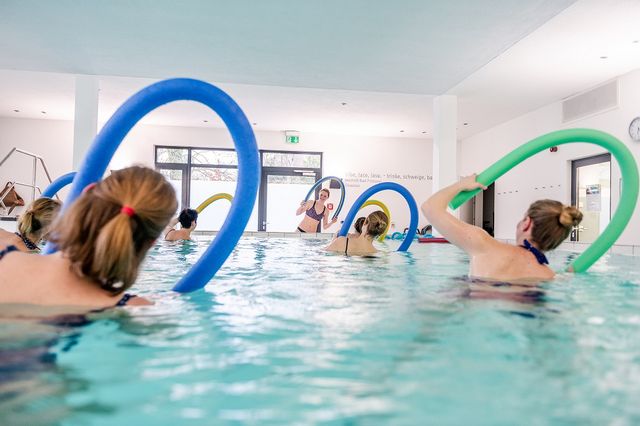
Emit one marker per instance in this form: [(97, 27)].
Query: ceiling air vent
[(600, 99)]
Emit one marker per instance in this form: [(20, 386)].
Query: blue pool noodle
[(108, 140), (343, 191), (55, 186), (413, 207)]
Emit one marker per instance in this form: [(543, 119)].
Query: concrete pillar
[(85, 125), (445, 141)]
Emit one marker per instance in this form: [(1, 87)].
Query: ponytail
[(35, 222), (108, 229)]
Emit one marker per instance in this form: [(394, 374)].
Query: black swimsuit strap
[(27, 242), (346, 246), (540, 257), (125, 298)]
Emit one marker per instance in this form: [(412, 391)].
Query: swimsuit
[(540, 257), (27, 242), (346, 247), (122, 302), (315, 215)]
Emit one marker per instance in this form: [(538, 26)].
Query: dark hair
[(377, 223), (106, 242), (187, 217), (358, 224), (552, 222)]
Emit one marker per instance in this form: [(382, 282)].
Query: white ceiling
[(292, 64)]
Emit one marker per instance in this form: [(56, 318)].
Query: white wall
[(548, 175), (409, 159), (51, 139)]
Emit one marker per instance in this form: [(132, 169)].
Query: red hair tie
[(89, 187), (129, 211)]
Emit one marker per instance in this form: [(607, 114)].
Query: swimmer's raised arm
[(468, 237), (304, 206)]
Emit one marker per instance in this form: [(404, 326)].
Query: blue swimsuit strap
[(7, 250), (125, 298), (540, 257)]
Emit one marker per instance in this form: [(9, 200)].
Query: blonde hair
[(552, 222), (106, 242), (35, 222), (376, 223)]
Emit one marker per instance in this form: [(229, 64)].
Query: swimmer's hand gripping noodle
[(628, 196), (385, 210), (55, 186), (343, 192), (150, 98), (216, 197), (413, 207)]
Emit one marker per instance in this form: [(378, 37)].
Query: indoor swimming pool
[(289, 334)]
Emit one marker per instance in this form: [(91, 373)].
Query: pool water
[(288, 334)]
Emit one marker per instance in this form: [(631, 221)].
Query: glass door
[(591, 193), (282, 192)]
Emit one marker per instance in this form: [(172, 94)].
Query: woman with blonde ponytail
[(362, 244), (545, 225), (102, 239), (33, 226)]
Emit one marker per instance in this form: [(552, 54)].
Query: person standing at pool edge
[(545, 225), (102, 239), (313, 217)]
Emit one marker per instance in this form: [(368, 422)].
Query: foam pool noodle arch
[(220, 196), (55, 186), (382, 186), (343, 192), (628, 194), (140, 104)]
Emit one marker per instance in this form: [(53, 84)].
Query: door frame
[(588, 161)]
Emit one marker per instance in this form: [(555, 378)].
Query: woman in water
[(33, 225), (188, 219), (102, 239), (545, 225), (314, 213), (372, 227)]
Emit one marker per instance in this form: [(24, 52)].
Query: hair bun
[(570, 216)]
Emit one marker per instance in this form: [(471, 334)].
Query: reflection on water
[(286, 333)]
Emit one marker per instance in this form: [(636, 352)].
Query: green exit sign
[(293, 139)]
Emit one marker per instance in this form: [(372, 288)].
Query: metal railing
[(34, 175)]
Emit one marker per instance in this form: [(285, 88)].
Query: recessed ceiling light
[(603, 57), (16, 110)]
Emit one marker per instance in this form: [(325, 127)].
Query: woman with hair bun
[(545, 225), (372, 227), (102, 239), (33, 225)]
